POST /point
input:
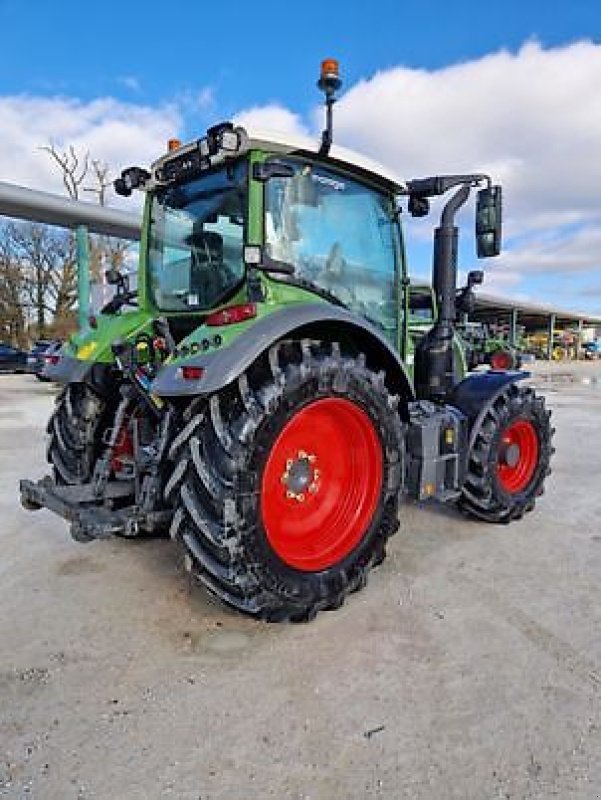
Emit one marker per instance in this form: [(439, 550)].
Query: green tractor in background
[(486, 344), (421, 316), (265, 401), (475, 344)]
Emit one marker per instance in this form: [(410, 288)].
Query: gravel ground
[(470, 667)]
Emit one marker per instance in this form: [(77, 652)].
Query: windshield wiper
[(283, 268)]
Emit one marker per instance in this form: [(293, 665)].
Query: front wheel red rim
[(321, 484), (518, 456)]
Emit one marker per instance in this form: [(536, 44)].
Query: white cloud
[(114, 132), (205, 98), (271, 118), (199, 106), (532, 119), (557, 250), (130, 82)]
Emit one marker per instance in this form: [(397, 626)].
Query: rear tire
[(75, 432), (509, 460), (263, 528)]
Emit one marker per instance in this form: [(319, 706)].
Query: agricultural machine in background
[(265, 402), (592, 350), (421, 315), (486, 344), (475, 344)]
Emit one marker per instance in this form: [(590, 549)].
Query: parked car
[(50, 357), (36, 357), (12, 359)]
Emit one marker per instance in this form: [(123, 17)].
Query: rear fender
[(311, 320), (475, 394)]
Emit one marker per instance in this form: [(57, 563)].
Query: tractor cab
[(267, 211)]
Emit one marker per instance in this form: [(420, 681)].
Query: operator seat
[(206, 269)]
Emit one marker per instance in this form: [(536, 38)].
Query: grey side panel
[(225, 366), (68, 370)]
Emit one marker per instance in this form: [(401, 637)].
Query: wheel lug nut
[(300, 497), (289, 495)]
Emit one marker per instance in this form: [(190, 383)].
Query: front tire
[(510, 457), (287, 483)]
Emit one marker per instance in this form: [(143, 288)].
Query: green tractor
[(259, 402), (422, 311), (485, 346)]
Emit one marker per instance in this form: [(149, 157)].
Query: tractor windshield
[(338, 234), (195, 255)]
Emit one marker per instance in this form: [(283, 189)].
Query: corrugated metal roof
[(485, 300)]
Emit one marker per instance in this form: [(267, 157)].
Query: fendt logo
[(338, 186)]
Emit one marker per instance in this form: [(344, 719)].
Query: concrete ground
[(470, 667)]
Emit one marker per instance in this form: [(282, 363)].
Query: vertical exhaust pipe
[(434, 363)]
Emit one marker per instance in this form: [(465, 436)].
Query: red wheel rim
[(500, 360), (124, 449), (518, 456), (321, 484)]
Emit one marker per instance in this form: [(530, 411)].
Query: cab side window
[(339, 235)]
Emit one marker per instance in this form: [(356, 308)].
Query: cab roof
[(290, 144)]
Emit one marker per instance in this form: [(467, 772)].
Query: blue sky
[(261, 51), (118, 78)]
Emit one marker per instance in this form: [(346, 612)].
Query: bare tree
[(103, 181), (13, 309), (73, 167), (40, 266)]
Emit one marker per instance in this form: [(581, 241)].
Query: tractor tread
[(218, 518), (482, 495), (73, 432)]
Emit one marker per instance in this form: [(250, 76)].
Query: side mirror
[(466, 299), (116, 278), (131, 178), (419, 206), (113, 276), (488, 222), (475, 278)]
